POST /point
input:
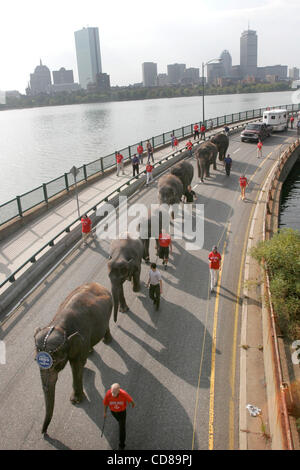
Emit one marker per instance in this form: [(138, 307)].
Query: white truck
[(276, 118)]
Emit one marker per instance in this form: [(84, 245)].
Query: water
[(290, 207), (40, 144)]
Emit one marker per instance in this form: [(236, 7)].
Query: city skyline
[(127, 41)]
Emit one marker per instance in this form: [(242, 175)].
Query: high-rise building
[(88, 55), (280, 71), (294, 73), (62, 76), (149, 70), (176, 73), (40, 80), (248, 53), (215, 71), (227, 63), (191, 76)]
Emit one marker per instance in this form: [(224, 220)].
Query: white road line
[(237, 150)]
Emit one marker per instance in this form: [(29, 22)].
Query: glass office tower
[(248, 53), (88, 55)]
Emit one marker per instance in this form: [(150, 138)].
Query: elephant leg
[(207, 170), (107, 337), (136, 280), (201, 170), (215, 163), (77, 371), (146, 244), (123, 306)]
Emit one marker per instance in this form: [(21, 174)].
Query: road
[(180, 364)]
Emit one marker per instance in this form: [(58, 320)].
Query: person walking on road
[(164, 247), (86, 228), (259, 149), (140, 151), (135, 164), (116, 399), (292, 121), (149, 169), (228, 164), (203, 130), (189, 147), (214, 266), (196, 131), (149, 151), (120, 164), (243, 184), (155, 283)]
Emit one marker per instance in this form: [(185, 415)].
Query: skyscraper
[(88, 55), (248, 53), (149, 74), (176, 73), (227, 63), (40, 80)]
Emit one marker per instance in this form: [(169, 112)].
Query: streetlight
[(74, 171), (203, 85)]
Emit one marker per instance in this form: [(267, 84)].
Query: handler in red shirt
[(120, 165), (116, 399), (149, 174), (86, 226), (202, 130), (259, 149), (196, 131), (243, 184), (140, 151), (164, 246), (292, 121), (214, 266)]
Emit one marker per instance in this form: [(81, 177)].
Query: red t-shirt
[(243, 181), (86, 224), (259, 145), (149, 168), (119, 157), (175, 142), (189, 145), (140, 149), (203, 128), (292, 119), (214, 259), (164, 239), (118, 403), (196, 127)]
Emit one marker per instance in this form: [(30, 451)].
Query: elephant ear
[(75, 342)]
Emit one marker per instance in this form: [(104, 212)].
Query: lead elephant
[(81, 321), (206, 155), (170, 190), (124, 265), (185, 172), (222, 142)]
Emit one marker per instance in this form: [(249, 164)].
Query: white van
[(276, 118)]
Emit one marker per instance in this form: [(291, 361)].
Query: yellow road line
[(213, 357)]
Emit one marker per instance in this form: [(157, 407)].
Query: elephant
[(185, 172), (81, 321), (125, 264), (222, 142), (170, 190), (158, 219), (206, 155)]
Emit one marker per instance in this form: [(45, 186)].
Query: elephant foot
[(124, 309), (76, 398), (107, 338), (136, 288)]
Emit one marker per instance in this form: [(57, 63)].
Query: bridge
[(180, 364)]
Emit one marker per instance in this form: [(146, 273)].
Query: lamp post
[(74, 171), (203, 84)]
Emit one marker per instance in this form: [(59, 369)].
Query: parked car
[(255, 131)]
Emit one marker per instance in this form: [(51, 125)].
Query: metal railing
[(18, 206)]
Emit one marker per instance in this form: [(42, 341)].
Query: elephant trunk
[(116, 300), (49, 378)]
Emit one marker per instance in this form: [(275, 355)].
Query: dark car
[(256, 131)]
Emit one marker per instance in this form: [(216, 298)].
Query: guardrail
[(18, 206), (280, 387)]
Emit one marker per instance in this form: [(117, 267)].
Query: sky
[(136, 31)]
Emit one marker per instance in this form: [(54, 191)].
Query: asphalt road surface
[(180, 364)]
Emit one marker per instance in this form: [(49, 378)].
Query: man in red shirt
[(164, 247), (292, 121), (214, 266), (259, 149), (86, 226), (149, 169), (243, 184), (116, 399), (189, 146), (196, 131), (120, 165), (140, 151), (202, 130)]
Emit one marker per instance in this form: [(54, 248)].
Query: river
[(40, 144), (290, 207)]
